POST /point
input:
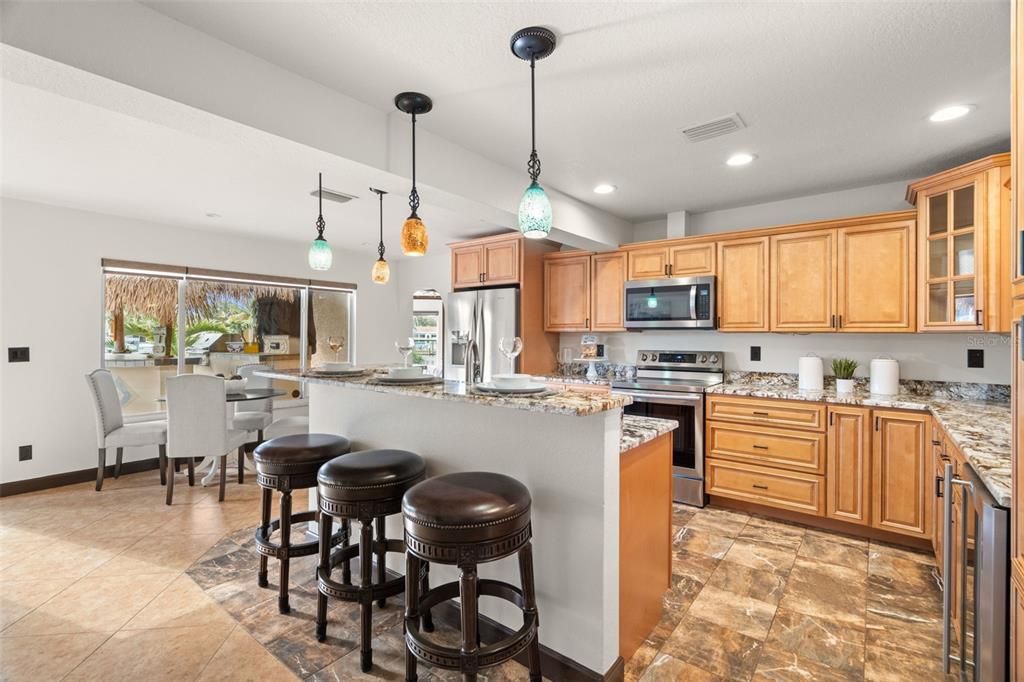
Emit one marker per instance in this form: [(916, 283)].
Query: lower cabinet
[(767, 485), (900, 473), (848, 483)]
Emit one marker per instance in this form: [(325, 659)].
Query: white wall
[(50, 300), (939, 357)]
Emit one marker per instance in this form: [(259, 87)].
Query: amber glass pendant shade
[(414, 237), (381, 272)]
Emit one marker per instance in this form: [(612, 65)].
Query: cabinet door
[(567, 294), (900, 469), (607, 291), (467, 266), (501, 262), (875, 284), (1017, 148), (938, 479), (648, 263), (848, 483), (694, 260), (803, 281), (951, 256), (742, 266)]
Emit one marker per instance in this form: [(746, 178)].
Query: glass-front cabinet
[(963, 271)]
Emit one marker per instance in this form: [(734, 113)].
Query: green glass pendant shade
[(320, 256), (535, 213)]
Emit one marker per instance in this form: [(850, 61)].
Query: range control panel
[(679, 359)]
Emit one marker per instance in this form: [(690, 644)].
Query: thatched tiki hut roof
[(158, 296)]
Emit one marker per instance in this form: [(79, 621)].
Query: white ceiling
[(835, 95), (168, 163)]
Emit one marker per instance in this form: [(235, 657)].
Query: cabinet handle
[(936, 442), (718, 323), (760, 486), (877, 421), (833, 325), (666, 270), (587, 324), (938, 486), (759, 414), (761, 447), (978, 320), (670, 268), (840, 321), (830, 416)]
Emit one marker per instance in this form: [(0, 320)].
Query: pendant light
[(320, 256), (414, 232), (381, 270), (531, 44)]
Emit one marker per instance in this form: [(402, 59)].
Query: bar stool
[(287, 464), (466, 519), (367, 486)]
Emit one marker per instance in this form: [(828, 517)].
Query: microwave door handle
[(693, 302)]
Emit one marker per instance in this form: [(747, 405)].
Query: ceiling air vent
[(717, 128), (335, 195)]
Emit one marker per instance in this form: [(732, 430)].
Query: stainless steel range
[(671, 385)]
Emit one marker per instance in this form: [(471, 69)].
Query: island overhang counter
[(569, 450)]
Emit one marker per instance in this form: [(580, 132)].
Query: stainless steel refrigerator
[(475, 321)]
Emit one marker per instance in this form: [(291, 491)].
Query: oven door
[(687, 440), (684, 303)]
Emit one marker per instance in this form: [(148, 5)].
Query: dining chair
[(253, 415), (196, 426), (112, 432)]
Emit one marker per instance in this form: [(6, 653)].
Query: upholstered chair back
[(105, 402)]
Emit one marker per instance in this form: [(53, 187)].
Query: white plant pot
[(844, 385)]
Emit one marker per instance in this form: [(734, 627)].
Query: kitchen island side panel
[(571, 466)]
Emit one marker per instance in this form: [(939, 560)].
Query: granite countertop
[(573, 403), (639, 430), (978, 425), (558, 379)]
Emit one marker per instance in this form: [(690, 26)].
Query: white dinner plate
[(339, 373), (529, 389), (413, 381)]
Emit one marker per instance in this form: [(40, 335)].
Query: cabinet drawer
[(788, 449), (787, 413), (762, 485)]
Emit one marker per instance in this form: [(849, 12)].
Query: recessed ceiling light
[(604, 188), (950, 113), (740, 159)]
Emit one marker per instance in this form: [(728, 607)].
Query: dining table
[(246, 394)]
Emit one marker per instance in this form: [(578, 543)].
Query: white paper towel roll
[(812, 373), (885, 376)]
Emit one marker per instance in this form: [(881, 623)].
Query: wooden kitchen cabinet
[(803, 275), (875, 277), (1017, 411), (963, 267), (742, 268), (608, 292), (567, 292), (649, 263), (901, 470), (681, 259), (489, 261), (848, 483)]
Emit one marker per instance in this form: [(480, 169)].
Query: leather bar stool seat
[(284, 465), (465, 519), (366, 486)]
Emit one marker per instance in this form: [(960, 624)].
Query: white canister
[(811, 372), (885, 376)]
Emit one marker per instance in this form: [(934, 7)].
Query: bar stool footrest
[(267, 547), (356, 593)]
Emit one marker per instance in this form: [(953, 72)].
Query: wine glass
[(405, 347), (511, 348), (336, 343)]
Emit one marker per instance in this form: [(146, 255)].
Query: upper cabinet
[(584, 291), (491, 261), (671, 260), (963, 272), (742, 269), (855, 277)]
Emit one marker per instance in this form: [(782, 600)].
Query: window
[(229, 320), (427, 324)]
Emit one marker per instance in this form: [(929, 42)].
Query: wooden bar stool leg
[(366, 606), (412, 604), (170, 485), (325, 522), (286, 543), (381, 554), (265, 504), (470, 637), (100, 466), (426, 621), (117, 463), (530, 598), (163, 464), (346, 568)]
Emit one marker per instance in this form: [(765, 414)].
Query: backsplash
[(933, 357), (949, 390)]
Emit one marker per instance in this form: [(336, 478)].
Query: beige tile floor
[(117, 586)]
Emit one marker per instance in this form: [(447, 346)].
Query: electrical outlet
[(975, 357), (17, 354), (24, 453), (755, 353)]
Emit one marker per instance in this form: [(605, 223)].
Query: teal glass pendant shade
[(535, 212), (320, 256)]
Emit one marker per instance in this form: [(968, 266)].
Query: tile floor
[(115, 585)]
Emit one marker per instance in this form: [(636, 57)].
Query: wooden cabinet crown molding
[(952, 174)]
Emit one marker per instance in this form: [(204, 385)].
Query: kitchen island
[(571, 450)]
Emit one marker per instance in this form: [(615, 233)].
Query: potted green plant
[(844, 368)]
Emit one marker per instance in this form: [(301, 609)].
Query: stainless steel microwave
[(681, 303)]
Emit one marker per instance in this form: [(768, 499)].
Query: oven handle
[(672, 399)]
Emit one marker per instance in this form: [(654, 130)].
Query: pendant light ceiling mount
[(414, 103), (535, 42)]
